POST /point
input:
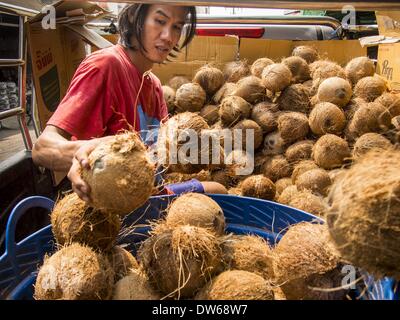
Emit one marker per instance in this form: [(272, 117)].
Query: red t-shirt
[(102, 94)]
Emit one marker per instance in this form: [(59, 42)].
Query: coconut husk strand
[(295, 98), (73, 220), (335, 90), (210, 114), (298, 151), (364, 216), (327, 118), (121, 174), (255, 134), (330, 151), (358, 68), (277, 167), (169, 97), (370, 88), (308, 202), (122, 262), (298, 67), (302, 167), (258, 66), (369, 141), (251, 89), (293, 126), (309, 54), (258, 186), (315, 180), (210, 79), (226, 90), (190, 97), (176, 82), (391, 101), (265, 115), (134, 286), (236, 70), (233, 109), (178, 261), (237, 285), (75, 272), (276, 77)]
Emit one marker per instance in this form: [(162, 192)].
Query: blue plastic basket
[(19, 263)]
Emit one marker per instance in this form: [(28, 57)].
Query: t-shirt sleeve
[(83, 112)]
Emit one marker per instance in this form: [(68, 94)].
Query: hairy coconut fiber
[(295, 98), (315, 180), (293, 126), (336, 174), (282, 184), (255, 134), (251, 89), (308, 53), (249, 253), (369, 117), (121, 175), (390, 101), (258, 66), (176, 82), (73, 220), (327, 118), (276, 77), (122, 262), (238, 162), (197, 210), (179, 261), (273, 144), (335, 90), (190, 97), (169, 97), (237, 285), (358, 68), (134, 286), (277, 167), (304, 250), (330, 151), (210, 114), (258, 186), (301, 150), (210, 79), (236, 70), (324, 69), (226, 90), (370, 141), (278, 294), (301, 167), (287, 194), (352, 107), (233, 109), (176, 177), (308, 202), (370, 88), (75, 272), (265, 114), (364, 217), (298, 67)]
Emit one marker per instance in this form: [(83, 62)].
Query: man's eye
[(178, 28), (161, 22)]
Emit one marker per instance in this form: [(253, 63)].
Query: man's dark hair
[(131, 21)]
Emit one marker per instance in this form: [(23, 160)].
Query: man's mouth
[(162, 49)]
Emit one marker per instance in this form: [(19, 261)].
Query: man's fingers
[(78, 185), (82, 155)]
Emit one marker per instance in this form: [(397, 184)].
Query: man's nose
[(166, 34)]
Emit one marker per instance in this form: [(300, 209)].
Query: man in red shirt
[(113, 89)]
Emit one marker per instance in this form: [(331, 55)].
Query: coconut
[(335, 90), (169, 97), (282, 184), (370, 88), (276, 77), (134, 286), (390, 101), (254, 135), (277, 167), (179, 261), (315, 180), (259, 161), (237, 285), (75, 272), (221, 177), (236, 70), (308, 202), (120, 169), (235, 191), (292, 126), (209, 78), (198, 210), (239, 163), (287, 194), (327, 118), (74, 221), (122, 262), (210, 114), (300, 150), (306, 52), (369, 141), (304, 257), (278, 294), (233, 109), (302, 167), (265, 114), (258, 66), (364, 217), (298, 67), (352, 107), (249, 253), (336, 174), (176, 82), (258, 186), (330, 151), (250, 89), (324, 69), (295, 98), (226, 90), (273, 144), (177, 177), (190, 97), (358, 68)]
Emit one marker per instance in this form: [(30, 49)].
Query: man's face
[(162, 31)]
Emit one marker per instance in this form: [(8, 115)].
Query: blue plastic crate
[(19, 263)]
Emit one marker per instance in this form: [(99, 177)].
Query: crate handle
[(18, 211)]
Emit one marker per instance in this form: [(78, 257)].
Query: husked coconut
[(370, 141), (276, 77), (324, 69), (122, 262), (236, 70), (169, 97), (265, 114), (273, 144), (226, 90), (210, 114), (301, 150), (258, 186), (330, 151), (292, 126), (352, 107), (277, 167), (295, 98), (370, 88), (176, 82), (135, 286), (250, 88), (190, 97), (287, 194), (391, 101), (209, 78), (177, 177), (282, 184), (298, 67), (233, 109), (235, 191), (308, 53), (327, 118), (258, 66), (358, 68), (315, 180), (239, 163), (335, 90), (248, 130), (308, 202), (221, 177), (302, 167)]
